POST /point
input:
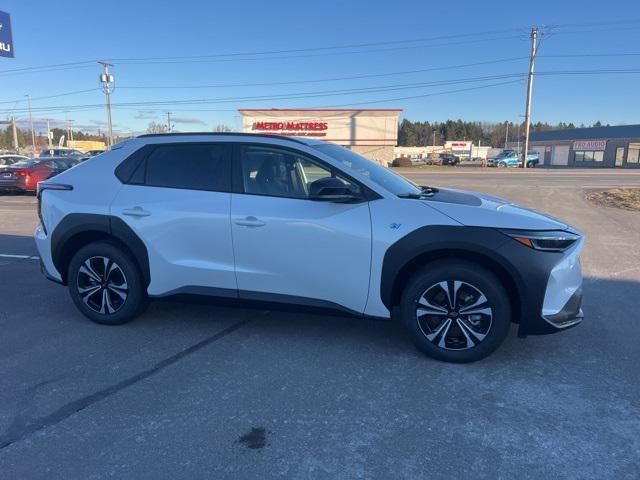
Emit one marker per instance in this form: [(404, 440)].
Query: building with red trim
[(370, 132)]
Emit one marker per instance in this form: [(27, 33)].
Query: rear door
[(178, 202), (293, 249)]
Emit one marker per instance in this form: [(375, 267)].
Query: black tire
[(469, 337), (124, 278), (502, 165)]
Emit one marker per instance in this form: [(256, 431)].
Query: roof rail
[(214, 134)]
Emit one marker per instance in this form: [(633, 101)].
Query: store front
[(372, 133), (612, 147)]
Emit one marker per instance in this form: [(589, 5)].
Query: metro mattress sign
[(6, 40), (590, 145), (315, 129)]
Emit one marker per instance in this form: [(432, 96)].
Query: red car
[(24, 175)]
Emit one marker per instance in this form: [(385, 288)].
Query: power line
[(473, 35), (53, 96), (326, 54), (133, 60), (263, 55), (338, 92), (299, 95), (413, 97), (322, 80)]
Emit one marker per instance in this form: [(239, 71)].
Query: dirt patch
[(625, 198)]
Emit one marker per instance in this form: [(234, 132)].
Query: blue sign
[(6, 40)]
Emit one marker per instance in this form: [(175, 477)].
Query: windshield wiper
[(424, 193), (429, 190), (416, 196)]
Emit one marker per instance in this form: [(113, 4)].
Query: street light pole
[(107, 81), (33, 133)]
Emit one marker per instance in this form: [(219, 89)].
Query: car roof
[(300, 140)]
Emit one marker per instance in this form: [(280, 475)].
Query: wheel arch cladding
[(428, 244), (77, 230)]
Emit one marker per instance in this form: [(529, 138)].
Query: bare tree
[(154, 127), (222, 128)]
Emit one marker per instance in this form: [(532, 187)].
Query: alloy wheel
[(454, 315), (102, 285)]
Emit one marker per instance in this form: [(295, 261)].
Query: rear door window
[(201, 166)]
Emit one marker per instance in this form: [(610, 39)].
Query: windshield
[(27, 162), (378, 174)]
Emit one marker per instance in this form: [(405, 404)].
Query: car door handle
[(136, 212), (250, 222)]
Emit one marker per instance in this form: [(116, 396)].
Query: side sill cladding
[(76, 226)]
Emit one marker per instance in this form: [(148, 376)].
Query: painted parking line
[(22, 257)]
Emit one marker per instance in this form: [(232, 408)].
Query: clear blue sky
[(48, 32)]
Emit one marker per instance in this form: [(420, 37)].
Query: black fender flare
[(76, 224), (526, 270), (440, 239)]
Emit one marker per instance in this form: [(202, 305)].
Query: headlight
[(548, 241)]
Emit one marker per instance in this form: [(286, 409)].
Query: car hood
[(482, 210)]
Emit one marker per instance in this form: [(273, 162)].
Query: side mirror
[(330, 189)]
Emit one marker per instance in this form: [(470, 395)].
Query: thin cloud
[(146, 115), (188, 120)]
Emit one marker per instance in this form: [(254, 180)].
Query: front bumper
[(570, 315), (559, 306)]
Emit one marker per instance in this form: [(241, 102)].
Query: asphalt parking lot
[(207, 391)]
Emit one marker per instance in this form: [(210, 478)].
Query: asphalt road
[(207, 391)]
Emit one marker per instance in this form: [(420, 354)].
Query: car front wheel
[(105, 284), (456, 311)]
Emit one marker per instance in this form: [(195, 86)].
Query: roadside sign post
[(6, 38)]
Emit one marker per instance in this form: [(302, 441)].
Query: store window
[(633, 155), (589, 156)]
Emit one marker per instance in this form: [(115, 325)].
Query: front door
[(619, 156), (560, 155), (178, 202), (293, 249)]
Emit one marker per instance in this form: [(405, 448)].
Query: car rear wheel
[(456, 311), (105, 284), (502, 165)]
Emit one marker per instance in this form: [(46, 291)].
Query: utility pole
[(71, 130), (108, 82), (527, 118), (506, 136), (169, 122), (49, 132), (33, 132), (15, 134)]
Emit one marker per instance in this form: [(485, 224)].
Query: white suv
[(304, 222)]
